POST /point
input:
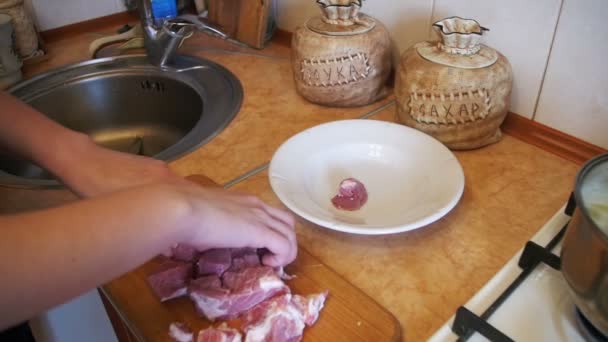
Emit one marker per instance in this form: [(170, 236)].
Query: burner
[(589, 332)]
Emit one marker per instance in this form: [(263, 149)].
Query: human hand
[(227, 219)]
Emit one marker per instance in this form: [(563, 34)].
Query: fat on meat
[(351, 196), (310, 306), (282, 318), (240, 291), (180, 332), (222, 333)]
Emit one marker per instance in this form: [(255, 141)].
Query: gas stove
[(527, 300)]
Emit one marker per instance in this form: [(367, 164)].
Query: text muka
[(335, 71)]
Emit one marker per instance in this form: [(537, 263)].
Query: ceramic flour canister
[(25, 32), (342, 58), (457, 89), (10, 64)]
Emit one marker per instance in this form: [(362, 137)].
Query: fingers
[(277, 243), (279, 220), (282, 228), (272, 260), (281, 215)]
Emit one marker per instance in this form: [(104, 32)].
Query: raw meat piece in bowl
[(351, 196)]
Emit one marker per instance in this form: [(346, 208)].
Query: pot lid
[(592, 191)]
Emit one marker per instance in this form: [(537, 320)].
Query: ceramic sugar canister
[(342, 58), (457, 89)]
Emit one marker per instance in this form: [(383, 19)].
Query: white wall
[(556, 49), (57, 13), (408, 21), (522, 30), (574, 97)]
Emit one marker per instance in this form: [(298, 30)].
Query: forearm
[(73, 157), (28, 134), (50, 256)]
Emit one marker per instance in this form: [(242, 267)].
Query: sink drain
[(152, 86)]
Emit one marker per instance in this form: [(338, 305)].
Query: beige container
[(342, 58), (456, 90)]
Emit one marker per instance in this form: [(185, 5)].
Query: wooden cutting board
[(349, 314), (244, 20)]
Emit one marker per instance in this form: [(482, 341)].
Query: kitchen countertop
[(423, 276)]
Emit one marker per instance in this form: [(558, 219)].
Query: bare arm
[(50, 256), (83, 166), (30, 135)]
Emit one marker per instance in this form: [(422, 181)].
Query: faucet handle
[(194, 21), (177, 28)]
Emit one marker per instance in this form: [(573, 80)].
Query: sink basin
[(126, 104)]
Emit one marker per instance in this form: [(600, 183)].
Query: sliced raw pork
[(171, 279), (233, 283), (240, 291), (351, 196), (206, 283), (220, 334), (310, 306), (214, 261), (282, 318), (243, 258)]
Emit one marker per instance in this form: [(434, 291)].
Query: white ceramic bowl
[(411, 178)]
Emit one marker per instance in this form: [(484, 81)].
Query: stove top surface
[(519, 305)]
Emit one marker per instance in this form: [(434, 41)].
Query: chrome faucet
[(162, 38)]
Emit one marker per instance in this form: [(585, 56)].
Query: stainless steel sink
[(126, 104)]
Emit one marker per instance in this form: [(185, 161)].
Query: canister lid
[(432, 52), (364, 24)]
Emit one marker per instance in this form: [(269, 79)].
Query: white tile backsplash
[(407, 21), (293, 13), (521, 30), (574, 98)]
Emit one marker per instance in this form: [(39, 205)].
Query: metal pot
[(585, 248)]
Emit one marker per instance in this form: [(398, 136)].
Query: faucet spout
[(147, 18), (161, 41), (163, 37)]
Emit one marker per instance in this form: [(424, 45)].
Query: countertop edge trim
[(550, 139)]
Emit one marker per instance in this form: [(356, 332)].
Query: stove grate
[(466, 323)]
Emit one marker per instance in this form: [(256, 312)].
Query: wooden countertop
[(421, 276)]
